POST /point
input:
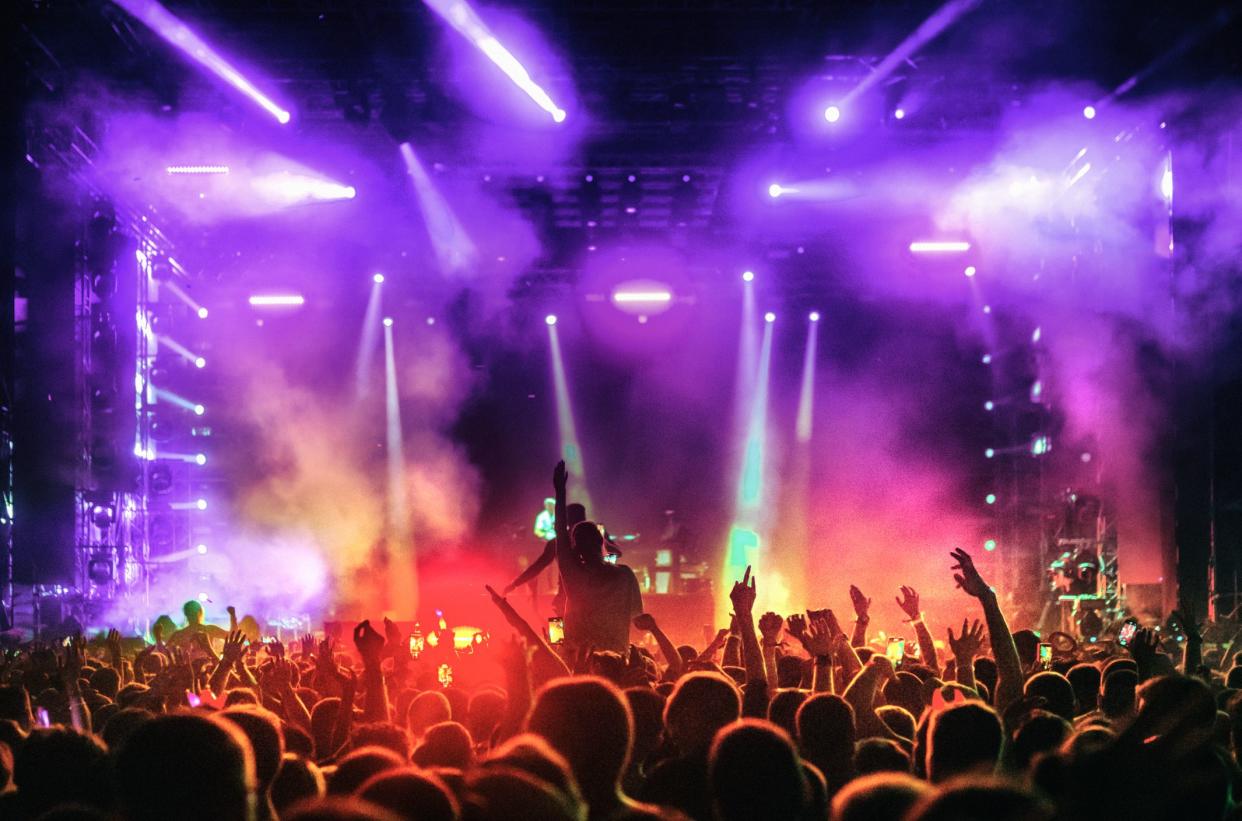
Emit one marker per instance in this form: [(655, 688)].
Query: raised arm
[(532, 637), (909, 603), (531, 573), (370, 646), (647, 622), (743, 598), (817, 640), (862, 617), (1004, 651), (965, 648), (1192, 655), (566, 561), (861, 696), (770, 629)]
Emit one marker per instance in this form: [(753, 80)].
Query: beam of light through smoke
[(177, 34), (806, 394), (927, 31), (189, 301), (821, 190), (464, 20), (453, 247), (160, 394), (181, 351), (571, 449), (402, 579), (367, 343), (286, 188), (745, 539)]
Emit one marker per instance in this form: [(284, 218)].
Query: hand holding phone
[(556, 630), (896, 650)]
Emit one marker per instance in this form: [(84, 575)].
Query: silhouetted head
[(1040, 732), (647, 708), (165, 623), (1117, 693), (1028, 647), (15, 705), (898, 719), (881, 795), (411, 793), (1085, 679), (588, 542), (296, 780), (981, 799), (484, 713), (587, 721), (428, 707), (262, 729), (755, 773), (356, 768), (783, 709), (1056, 690), (531, 754), (380, 734), (575, 514), (501, 793), (338, 808), (447, 744), (962, 739), (906, 690), (193, 611), (59, 766), (826, 734), (699, 706), (106, 682), (880, 755), (187, 767)]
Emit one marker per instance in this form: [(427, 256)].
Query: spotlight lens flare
[(202, 313), (387, 322), (748, 276), (200, 362), (832, 113), (1088, 111), (199, 410), (377, 279), (201, 504), (899, 114), (201, 550), (550, 319), (769, 317), (200, 459), (990, 498), (989, 545), (970, 271), (775, 190), (814, 316)]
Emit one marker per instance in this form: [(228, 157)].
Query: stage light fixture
[(200, 362), (832, 113), (201, 550), (276, 300), (989, 545), (987, 359), (970, 271), (378, 279), (748, 276), (1088, 111), (199, 410), (987, 309), (989, 405), (769, 317), (939, 247), (988, 453), (775, 190), (202, 313), (550, 319), (814, 316), (990, 498), (387, 322), (197, 169), (200, 459), (177, 34), (899, 114), (201, 504)]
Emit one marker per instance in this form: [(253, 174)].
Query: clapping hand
[(862, 604)]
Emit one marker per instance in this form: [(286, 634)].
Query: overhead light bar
[(939, 247), (197, 169), (459, 15), (641, 296), (176, 33), (276, 300)]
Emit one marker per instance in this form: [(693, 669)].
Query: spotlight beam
[(806, 395), (179, 349), (176, 33), (467, 23), (453, 247), (366, 347), (402, 573), (571, 451), (928, 30)]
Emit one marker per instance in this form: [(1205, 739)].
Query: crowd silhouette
[(778, 717)]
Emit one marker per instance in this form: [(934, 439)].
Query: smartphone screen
[(896, 649), (445, 675), (417, 643), (1045, 653), (1127, 632), (611, 558), (42, 718), (556, 630)]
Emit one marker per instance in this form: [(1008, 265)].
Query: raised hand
[(645, 622), (370, 644), (1193, 630), (234, 647), (795, 625), (275, 649), (908, 601), (308, 645), (1144, 645), (966, 646), (817, 639), (968, 578), (392, 635), (73, 659), (560, 476), (770, 627), (113, 643), (743, 594), (324, 658), (861, 603)]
